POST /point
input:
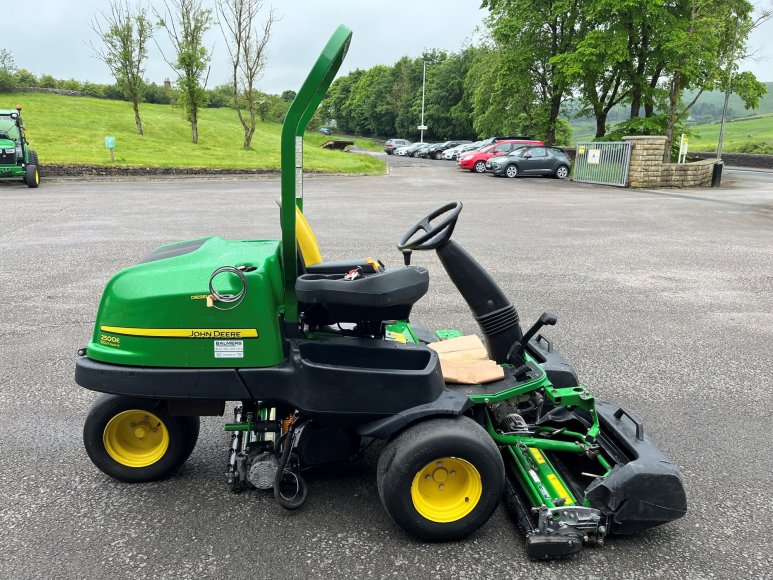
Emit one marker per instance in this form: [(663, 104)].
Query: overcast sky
[(52, 39)]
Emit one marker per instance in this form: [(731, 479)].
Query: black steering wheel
[(435, 235)]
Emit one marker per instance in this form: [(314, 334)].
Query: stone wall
[(739, 159), (696, 174), (648, 170), (646, 160)]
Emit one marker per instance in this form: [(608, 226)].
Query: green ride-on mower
[(320, 355), (17, 160)]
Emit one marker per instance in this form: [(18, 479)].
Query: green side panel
[(158, 311), (447, 334)]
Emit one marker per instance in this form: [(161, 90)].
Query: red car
[(476, 160)]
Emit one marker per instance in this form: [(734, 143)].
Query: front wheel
[(136, 440), (561, 172), (442, 479), (479, 167), (511, 171), (32, 176)]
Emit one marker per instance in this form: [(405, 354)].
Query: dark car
[(392, 144), (417, 149), (325, 131), (436, 151), (531, 160)]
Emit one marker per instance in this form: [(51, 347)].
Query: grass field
[(737, 132), (73, 129), (705, 137)]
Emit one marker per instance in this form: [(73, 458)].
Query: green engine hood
[(157, 313)]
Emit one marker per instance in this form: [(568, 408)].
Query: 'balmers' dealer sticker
[(229, 349)]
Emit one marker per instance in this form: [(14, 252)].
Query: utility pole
[(727, 91), (423, 85)]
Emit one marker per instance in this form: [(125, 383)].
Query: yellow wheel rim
[(136, 438), (446, 489)]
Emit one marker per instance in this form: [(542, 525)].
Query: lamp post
[(423, 86), (727, 91)]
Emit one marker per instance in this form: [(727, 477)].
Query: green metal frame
[(298, 116)]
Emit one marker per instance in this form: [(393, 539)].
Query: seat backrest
[(308, 247)]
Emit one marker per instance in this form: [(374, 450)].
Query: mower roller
[(320, 355)]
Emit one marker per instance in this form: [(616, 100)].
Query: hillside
[(72, 130), (704, 119)]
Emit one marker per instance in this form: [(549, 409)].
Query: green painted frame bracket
[(298, 116)]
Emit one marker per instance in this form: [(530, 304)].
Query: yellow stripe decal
[(538, 457), (560, 489), (183, 332)]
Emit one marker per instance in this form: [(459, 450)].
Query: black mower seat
[(387, 295), (365, 265)]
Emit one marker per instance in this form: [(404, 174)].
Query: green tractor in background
[(17, 160), (320, 354)]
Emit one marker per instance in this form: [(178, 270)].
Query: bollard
[(716, 173)]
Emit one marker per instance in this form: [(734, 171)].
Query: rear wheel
[(511, 171), (441, 479), (438, 155), (136, 440), (479, 167), (561, 172), (31, 175)]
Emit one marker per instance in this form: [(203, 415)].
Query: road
[(665, 305)]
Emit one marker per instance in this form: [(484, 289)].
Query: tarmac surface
[(665, 305)]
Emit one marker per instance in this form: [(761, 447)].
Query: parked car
[(424, 151), (401, 150), (420, 150), (436, 151), (326, 131), (531, 161), (476, 160), (393, 144), (408, 151), (454, 152)]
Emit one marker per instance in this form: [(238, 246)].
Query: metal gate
[(605, 163)]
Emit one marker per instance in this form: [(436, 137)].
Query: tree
[(125, 34), (246, 44), (186, 22), (533, 33), (7, 70), (701, 44), (288, 95)]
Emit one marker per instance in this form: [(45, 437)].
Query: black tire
[(457, 440), (562, 172), (416, 154), (438, 155), (31, 176), (479, 167), (511, 171), (34, 158), (181, 432)]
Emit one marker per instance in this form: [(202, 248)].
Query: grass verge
[(72, 130)]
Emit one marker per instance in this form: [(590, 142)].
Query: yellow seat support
[(307, 241)]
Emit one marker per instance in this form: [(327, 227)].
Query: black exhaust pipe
[(495, 314)]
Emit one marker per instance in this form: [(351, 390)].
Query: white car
[(455, 152)]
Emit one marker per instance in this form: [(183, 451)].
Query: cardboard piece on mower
[(464, 360)]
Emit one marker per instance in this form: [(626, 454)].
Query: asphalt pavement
[(665, 306)]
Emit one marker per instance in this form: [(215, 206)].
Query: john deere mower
[(320, 355), (17, 160)]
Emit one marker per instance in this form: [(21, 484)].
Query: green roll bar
[(298, 116)]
